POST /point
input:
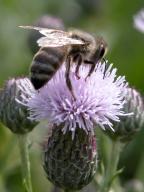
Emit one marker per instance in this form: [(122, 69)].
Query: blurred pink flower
[(99, 99), (139, 21)]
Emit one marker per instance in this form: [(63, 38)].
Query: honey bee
[(58, 46)]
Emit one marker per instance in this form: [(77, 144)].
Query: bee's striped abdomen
[(45, 64)]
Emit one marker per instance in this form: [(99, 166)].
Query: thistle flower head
[(99, 99), (139, 21)]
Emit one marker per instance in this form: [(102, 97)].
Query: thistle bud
[(70, 163), (131, 124), (13, 113), (46, 21)]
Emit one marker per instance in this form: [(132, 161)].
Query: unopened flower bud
[(131, 124), (70, 163), (46, 21), (13, 113)]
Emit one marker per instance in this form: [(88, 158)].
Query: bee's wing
[(57, 41), (46, 32), (54, 38)]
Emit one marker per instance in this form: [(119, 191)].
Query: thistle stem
[(25, 162), (4, 158), (111, 168)]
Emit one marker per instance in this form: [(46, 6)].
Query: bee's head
[(81, 35)]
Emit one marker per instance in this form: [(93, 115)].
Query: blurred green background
[(113, 20)]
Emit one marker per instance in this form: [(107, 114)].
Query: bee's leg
[(78, 64), (104, 60), (68, 81), (93, 64), (106, 66)]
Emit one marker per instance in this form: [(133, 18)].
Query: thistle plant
[(13, 114), (70, 153)]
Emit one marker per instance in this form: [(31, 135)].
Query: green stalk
[(25, 162), (4, 158), (111, 169), (2, 184)]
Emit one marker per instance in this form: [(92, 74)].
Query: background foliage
[(111, 19)]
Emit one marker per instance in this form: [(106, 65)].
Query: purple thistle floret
[(139, 21), (99, 99)]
